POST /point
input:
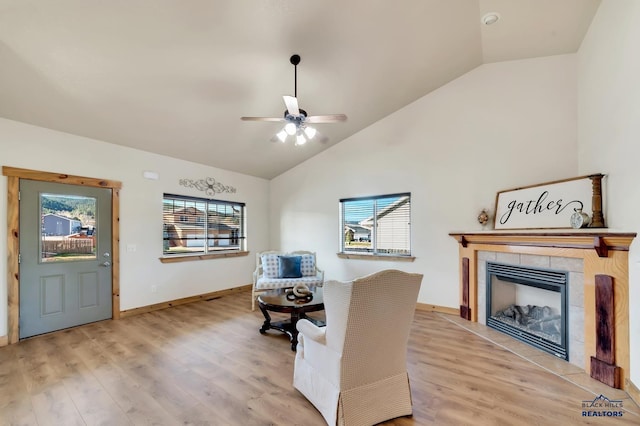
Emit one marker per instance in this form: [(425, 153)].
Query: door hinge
[(18, 195), (19, 258)]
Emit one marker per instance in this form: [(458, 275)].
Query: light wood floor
[(206, 364)]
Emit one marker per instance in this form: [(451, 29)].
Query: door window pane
[(68, 228)]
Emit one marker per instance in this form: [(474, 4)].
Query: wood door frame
[(13, 236)]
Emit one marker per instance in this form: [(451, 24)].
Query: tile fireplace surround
[(595, 251)]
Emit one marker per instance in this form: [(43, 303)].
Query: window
[(62, 217), (201, 226), (379, 225)]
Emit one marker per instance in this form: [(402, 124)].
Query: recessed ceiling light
[(490, 18)]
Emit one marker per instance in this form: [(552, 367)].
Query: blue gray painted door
[(65, 280)]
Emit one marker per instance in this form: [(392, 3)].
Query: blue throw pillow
[(290, 266)]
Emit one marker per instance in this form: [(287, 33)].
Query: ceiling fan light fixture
[(282, 135), (310, 132), (290, 128), (295, 118)]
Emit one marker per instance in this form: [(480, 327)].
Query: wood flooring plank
[(15, 401), (53, 406), (137, 360), (138, 406), (93, 402), (205, 363)]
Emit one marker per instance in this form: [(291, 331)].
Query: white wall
[(497, 127), (37, 148), (609, 129)]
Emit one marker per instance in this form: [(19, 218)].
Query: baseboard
[(436, 308), (634, 392), (4, 341), (169, 304)]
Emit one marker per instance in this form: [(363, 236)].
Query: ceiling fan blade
[(262, 119), (333, 118), (292, 105)]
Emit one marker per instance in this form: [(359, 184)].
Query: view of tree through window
[(377, 225), (197, 225)]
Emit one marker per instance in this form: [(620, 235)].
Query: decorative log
[(603, 366), (465, 310)]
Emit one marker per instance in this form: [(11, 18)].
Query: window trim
[(362, 256), (205, 254), (375, 255), (177, 258)]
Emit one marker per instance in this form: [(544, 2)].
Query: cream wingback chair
[(354, 369)]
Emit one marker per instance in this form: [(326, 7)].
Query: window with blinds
[(197, 225), (379, 225)]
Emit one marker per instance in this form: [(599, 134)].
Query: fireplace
[(529, 304), (597, 261)]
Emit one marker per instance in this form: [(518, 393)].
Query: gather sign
[(550, 205)]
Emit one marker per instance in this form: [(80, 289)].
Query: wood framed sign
[(551, 204)]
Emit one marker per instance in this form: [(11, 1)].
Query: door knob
[(106, 263)]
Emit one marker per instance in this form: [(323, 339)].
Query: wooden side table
[(277, 301)]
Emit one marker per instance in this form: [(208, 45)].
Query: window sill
[(193, 257), (343, 255)]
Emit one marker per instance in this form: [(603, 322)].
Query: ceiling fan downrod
[(295, 60)]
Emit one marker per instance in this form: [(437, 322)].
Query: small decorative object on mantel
[(209, 185), (579, 219), (549, 205), (483, 217)]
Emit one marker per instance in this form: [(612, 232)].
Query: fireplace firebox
[(529, 304)]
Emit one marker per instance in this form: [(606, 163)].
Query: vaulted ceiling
[(174, 77)]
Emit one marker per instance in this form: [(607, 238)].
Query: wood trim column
[(13, 249), (597, 220), (468, 275), (465, 310), (603, 366), (115, 253), (615, 266)]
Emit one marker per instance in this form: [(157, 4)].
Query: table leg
[(267, 321), (295, 316)]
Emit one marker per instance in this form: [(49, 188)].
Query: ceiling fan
[(297, 120)]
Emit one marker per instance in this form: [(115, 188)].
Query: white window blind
[(197, 225), (378, 225)]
